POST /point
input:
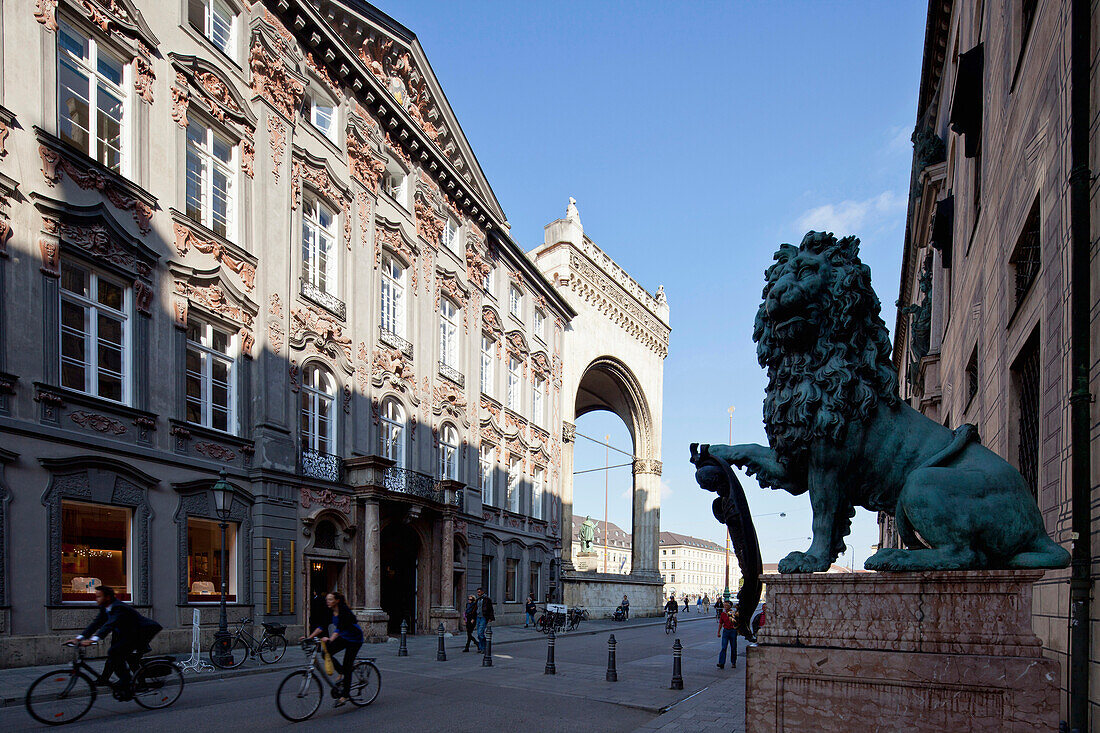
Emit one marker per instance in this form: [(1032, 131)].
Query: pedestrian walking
[(484, 616), (531, 608), (685, 603), (727, 634), (470, 617), (698, 604), (626, 607), (706, 603)]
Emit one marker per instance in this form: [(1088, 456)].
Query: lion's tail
[(963, 436)]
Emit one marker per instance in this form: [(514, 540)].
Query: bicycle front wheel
[(157, 684), (299, 695), (228, 652), (272, 649), (60, 697), (366, 683)]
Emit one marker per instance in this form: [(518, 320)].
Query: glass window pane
[(196, 14), (74, 279), (110, 387), (109, 129), (109, 294), (72, 316), (73, 106), (71, 41), (110, 357), (95, 550), (221, 28), (109, 67), (196, 174), (223, 150), (73, 375), (205, 558), (110, 330)]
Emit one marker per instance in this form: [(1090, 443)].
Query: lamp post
[(223, 499)]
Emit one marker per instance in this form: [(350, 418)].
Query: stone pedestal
[(928, 651)]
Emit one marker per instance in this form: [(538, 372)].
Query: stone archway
[(612, 356)]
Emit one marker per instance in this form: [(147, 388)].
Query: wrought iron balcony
[(316, 464), (390, 338), (406, 481), (326, 300), (449, 372)]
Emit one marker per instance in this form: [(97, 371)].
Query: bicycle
[(65, 695), (575, 616), (670, 623), (230, 652), (300, 693)]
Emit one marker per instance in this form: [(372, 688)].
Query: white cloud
[(898, 140), (853, 217), (666, 490)]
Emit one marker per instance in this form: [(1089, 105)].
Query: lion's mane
[(816, 393)]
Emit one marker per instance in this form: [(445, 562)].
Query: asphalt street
[(459, 694)]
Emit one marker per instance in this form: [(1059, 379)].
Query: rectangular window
[(92, 98), (95, 550), (448, 333), (1026, 372), (1025, 257), (486, 366), (536, 494), (514, 474), (673, 564), (450, 235), (536, 401), (393, 296), (393, 182), (215, 20), (672, 578), (318, 251), (204, 561), (320, 113), (510, 569), (487, 574), (515, 301), (210, 376), (972, 376), (488, 466), (94, 333), (490, 279), (540, 324), (535, 579), (448, 453), (211, 175), (513, 383)]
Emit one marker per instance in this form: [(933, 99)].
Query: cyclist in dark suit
[(130, 636)]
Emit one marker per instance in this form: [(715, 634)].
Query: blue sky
[(695, 137)]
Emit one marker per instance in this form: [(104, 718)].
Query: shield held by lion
[(838, 431)]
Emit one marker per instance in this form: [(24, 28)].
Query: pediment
[(95, 232), (113, 16), (218, 93)]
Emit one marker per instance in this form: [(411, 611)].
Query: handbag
[(330, 668)]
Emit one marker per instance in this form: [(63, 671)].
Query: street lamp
[(223, 500)]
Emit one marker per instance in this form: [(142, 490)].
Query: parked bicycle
[(231, 651), (670, 622), (65, 695), (300, 693), (575, 617)]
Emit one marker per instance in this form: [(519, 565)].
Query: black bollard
[(487, 660), (550, 666), (677, 677), (612, 674), (403, 649), (441, 655)]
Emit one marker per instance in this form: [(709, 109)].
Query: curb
[(188, 679)]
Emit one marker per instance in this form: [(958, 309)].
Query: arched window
[(393, 431), (448, 452), (318, 250), (324, 536), (393, 296), (448, 333), (318, 429)]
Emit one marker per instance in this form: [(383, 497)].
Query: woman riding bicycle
[(347, 636)]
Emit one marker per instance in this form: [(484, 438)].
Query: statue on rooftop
[(838, 430)]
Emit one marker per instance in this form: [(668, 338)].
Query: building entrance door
[(400, 552), (326, 576)]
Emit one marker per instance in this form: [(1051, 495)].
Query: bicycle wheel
[(157, 684), (272, 649), (229, 652), (366, 683), (59, 697), (299, 695)]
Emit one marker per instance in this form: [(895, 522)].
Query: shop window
[(94, 333), (92, 98), (204, 561), (511, 567), (95, 550), (535, 579)]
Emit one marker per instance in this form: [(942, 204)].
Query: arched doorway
[(400, 554)]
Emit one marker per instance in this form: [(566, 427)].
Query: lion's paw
[(802, 562), (888, 558)]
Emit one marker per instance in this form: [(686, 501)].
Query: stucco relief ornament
[(832, 403), (45, 12), (272, 81), (388, 362), (187, 239), (97, 422), (248, 157), (54, 164), (309, 325), (392, 239), (428, 225), (213, 298), (448, 399), (277, 136), (144, 77), (365, 164)]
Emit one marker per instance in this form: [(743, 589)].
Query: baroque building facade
[(997, 320), (252, 238)]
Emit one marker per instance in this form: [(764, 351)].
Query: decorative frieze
[(213, 298), (276, 131), (216, 451), (55, 163), (647, 465), (447, 399), (309, 326), (323, 75), (325, 498), (97, 422), (186, 239)]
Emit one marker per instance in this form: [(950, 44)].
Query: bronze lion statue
[(839, 431)]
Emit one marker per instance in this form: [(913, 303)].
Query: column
[(372, 575), (568, 439), (646, 516), (446, 585)]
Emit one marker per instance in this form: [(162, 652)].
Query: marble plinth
[(900, 651)]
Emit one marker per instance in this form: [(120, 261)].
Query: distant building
[(612, 546), (695, 567)]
